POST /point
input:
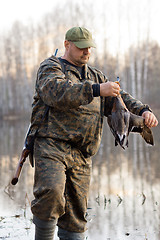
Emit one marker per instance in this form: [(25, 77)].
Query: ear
[(66, 44)]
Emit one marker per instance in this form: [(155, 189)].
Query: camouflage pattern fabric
[(62, 178), (74, 116), (67, 138)]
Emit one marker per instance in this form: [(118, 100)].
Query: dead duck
[(121, 122)]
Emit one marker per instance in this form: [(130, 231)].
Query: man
[(69, 135)]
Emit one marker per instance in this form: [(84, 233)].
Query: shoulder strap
[(62, 65)]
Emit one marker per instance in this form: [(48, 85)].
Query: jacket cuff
[(147, 108), (96, 90)]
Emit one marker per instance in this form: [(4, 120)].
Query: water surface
[(124, 194)]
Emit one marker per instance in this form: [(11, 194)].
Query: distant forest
[(23, 47)]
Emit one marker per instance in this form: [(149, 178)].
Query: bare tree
[(24, 47)]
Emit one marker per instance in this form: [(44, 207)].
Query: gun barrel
[(14, 181), (23, 157), (17, 174)]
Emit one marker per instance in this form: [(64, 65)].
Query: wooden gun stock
[(22, 159)]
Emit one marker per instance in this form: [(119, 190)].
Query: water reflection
[(12, 139), (124, 194)]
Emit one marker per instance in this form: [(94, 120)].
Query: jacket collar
[(75, 70)]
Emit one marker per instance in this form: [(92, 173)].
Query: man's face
[(77, 56)]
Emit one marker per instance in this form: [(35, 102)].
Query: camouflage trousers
[(61, 184)]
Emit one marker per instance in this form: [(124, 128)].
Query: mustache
[(85, 55)]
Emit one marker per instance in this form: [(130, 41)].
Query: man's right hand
[(109, 89)]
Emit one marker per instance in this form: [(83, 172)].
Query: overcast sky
[(32, 10), (22, 10)]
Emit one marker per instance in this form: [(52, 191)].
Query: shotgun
[(27, 151), (28, 147)]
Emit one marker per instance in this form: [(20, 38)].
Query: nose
[(87, 50)]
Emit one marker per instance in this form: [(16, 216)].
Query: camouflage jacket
[(74, 114)]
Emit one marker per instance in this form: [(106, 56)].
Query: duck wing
[(138, 126)]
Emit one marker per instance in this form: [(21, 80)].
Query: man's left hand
[(150, 119)]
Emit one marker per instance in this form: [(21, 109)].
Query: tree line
[(23, 47)]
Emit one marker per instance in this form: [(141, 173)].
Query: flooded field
[(124, 199)]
